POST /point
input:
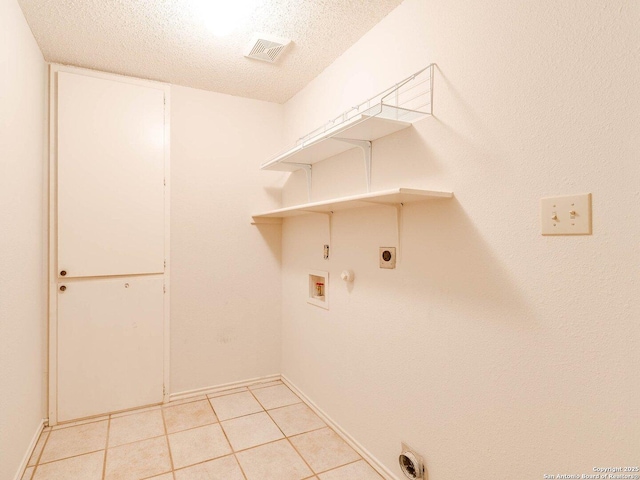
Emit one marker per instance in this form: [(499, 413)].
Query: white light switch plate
[(566, 215)]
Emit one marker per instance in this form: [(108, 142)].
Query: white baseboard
[(29, 452), (226, 386), (364, 453)]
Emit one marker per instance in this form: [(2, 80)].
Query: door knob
[(62, 288), (63, 273)]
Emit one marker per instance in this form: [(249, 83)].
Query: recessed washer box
[(318, 288)]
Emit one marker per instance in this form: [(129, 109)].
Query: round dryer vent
[(411, 464)]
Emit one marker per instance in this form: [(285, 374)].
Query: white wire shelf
[(395, 196), (392, 110)]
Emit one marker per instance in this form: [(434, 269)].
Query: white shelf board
[(325, 145), (386, 197)]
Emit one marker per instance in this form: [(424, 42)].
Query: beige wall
[(22, 237), (494, 351), (225, 272)]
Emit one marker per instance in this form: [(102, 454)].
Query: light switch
[(566, 215)]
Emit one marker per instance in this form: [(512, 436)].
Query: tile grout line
[(330, 469), (341, 466), (137, 441), (108, 419), (71, 456), (37, 464), (317, 411), (232, 418), (115, 446), (304, 433), (166, 435), (201, 462), (300, 455), (287, 438), (233, 450), (106, 450), (270, 417), (339, 436), (267, 412), (281, 406)]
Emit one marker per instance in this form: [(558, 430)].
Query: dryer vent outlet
[(411, 463)]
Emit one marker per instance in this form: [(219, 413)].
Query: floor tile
[(252, 430), (132, 428), (265, 384), (227, 392), (28, 473), (273, 461), (324, 449), (360, 470), (236, 405), (188, 415), (72, 441), (276, 396), (225, 468), (84, 467), (197, 445), (138, 460), (296, 419), (38, 448)]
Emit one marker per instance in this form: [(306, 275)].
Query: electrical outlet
[(387, 257)]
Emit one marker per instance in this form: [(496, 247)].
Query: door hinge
[(164, 289), (164, 181), (165, 264)]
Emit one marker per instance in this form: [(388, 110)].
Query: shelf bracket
[(399, 227), (308, 172), (365, 146)]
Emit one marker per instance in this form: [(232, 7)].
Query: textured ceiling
[(168, 40)]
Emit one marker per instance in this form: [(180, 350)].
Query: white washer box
[(318, 293)]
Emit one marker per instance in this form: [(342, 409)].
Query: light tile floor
[(261, 432)]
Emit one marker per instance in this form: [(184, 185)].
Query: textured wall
[(494, 351), (22, 237), (225, 272)]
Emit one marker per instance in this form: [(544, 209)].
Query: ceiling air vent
[(266, 48)]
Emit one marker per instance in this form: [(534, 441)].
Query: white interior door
[(110, 171), (109, 313), (110, 345)]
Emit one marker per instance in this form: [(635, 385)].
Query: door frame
[(52, 404)]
